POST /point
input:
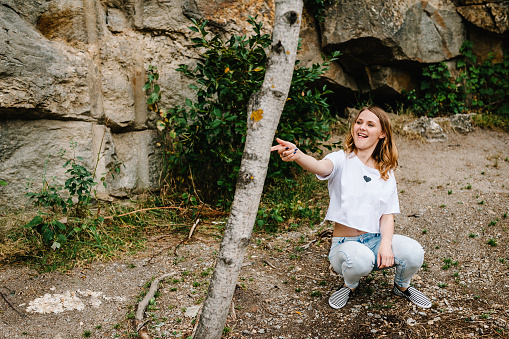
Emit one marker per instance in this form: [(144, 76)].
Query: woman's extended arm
[(290, 152), (385, 256)]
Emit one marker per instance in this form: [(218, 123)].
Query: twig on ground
[(190, 232), (308, 244), (188, 237), (143, 210), (234, 316), (140, 324), (11, 305), (494, 330), (268, 263), (196, 322)]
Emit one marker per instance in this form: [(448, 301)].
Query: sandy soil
[(454, 199)]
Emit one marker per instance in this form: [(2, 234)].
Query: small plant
[(298, 289), (226, 330), (492, 242), (442, 285), (443, 206), (449, 192), (492, 222), (468, 187), (448, 263), (472, 235), (316, 294), (424, 266), (87, 334), (318, 7), (424, 231)]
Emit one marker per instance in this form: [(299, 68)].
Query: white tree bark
[(264, 111)]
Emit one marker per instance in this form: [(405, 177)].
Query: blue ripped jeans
[(355, 257)]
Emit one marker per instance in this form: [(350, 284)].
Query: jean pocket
[(336, 241)]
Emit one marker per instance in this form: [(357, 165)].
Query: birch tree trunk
[(264, 111)]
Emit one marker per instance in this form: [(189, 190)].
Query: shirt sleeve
[(393, 204), (338, 160)]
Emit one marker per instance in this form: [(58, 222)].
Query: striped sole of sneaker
[(414, 296), (339, 298)]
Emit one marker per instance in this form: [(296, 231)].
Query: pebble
[(410, 321)]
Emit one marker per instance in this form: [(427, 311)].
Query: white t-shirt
[(358, 195)]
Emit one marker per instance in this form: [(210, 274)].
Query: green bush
[(480, 88), (204, 140), (317, 8)]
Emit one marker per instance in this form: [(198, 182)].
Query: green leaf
[(3, 183), (36, 221)]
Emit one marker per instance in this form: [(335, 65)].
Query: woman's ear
[(382, 135)]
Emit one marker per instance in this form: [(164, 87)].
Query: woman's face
[(367, 131)]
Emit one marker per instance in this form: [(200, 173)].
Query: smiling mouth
[(361, 135)]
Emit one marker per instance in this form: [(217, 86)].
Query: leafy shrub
[(79, 185), (478, 87), (204, 139), (317, 7)]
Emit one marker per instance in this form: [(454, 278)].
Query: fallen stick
[(140, 324), (142, 210), (11, 305), (188, 237), (268, 263)]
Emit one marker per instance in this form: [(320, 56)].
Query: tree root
[(139, 323)]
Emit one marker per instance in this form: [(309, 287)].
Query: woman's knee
[(408, 250), (354, 259)]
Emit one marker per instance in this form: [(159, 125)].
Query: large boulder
[(490, 15), (377, 32), (383, 42)]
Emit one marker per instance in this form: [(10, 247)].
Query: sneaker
[(339, 298), (414, 296)]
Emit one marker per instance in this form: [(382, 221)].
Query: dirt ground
[(454, 198)]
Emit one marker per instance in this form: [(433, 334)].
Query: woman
[(363, 201)]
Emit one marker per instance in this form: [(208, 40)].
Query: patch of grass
[(492, 242), (493, 121), (316, 294), (87, 334), (472, 235)]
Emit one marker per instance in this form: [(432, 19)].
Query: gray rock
[(379, 32), (462, 123), (427, 128)]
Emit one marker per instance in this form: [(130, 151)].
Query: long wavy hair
[(385, 154)]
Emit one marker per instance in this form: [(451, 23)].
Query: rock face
[(74, 70)]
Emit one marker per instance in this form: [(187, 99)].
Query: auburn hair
[(385, 154)]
